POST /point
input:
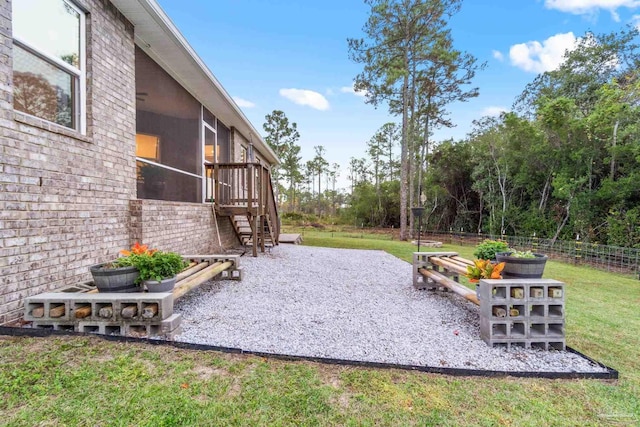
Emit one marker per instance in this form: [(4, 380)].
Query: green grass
[(89, 381)]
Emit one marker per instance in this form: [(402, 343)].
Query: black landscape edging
[(611, 373)]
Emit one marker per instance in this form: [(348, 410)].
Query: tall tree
[(389, 139), (321, 166), (402, 37), (282, 137)]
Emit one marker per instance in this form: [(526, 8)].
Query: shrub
[(160, 265), (489, 248), (151, 263)]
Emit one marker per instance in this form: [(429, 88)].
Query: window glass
[(51, 26), (41, 89)]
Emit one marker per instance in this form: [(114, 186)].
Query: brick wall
[(64, 197), (237, 142), (186, 228)]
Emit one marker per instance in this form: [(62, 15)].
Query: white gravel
[(350, 304)]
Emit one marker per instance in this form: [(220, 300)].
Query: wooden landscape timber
[(192, 268), (38, 312), (83, 312), (454, 286), (191, 282), (448, 264), (149, 311), (462, 260), (106, 312), (57, 311), (129, 311)]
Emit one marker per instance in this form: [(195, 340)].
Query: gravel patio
[(350, 304)]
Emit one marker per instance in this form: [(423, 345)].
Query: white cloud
[(540, 57), (590, 7), (306, 97), (351, 89), (243, 103), (493, 111), (497, 55)]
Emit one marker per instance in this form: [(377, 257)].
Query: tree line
[(563, 164)]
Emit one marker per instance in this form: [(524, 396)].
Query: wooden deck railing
[(239, 188)]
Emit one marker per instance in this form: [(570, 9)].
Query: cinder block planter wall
[(526, 313)]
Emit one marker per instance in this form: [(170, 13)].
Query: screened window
[(223, 144), (49, 61), (168, 136)]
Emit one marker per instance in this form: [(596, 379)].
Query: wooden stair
[(244, 225), (243, 192)]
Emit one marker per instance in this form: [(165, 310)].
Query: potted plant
[(120, 275), (522, 264), (489, 248), (158, 270), (483, 269)]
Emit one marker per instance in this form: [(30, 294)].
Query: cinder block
[(102, 328), (54, 310), (532, 318), (236, 274), (171, 323), (214, 258), (171, 336), (56, 326)]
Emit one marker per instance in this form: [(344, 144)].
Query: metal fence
[(605, 257)]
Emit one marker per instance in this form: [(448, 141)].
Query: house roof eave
[(156, 34)]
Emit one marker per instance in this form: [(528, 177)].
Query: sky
[(292, 55)]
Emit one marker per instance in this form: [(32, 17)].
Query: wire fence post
[(578, 252)]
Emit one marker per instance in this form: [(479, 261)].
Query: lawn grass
[(77, 381)]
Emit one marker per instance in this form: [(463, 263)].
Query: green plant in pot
[(158, 270), (522, 264), (489, 248), (120, 275)]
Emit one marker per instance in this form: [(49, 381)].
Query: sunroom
[(193, 144)]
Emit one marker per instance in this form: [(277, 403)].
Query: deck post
[(216, 184), (256, 219)]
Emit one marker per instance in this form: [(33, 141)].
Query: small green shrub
[(159, 266), (489, 248), (151, 263)]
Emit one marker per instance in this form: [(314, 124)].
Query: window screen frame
[(79, 73)]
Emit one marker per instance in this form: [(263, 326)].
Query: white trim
[(206, 126), (78, 74), (57, 62), (82, 108), (143, 160)]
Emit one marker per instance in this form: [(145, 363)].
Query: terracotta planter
[(165, 285), (119, 279), (522, 268)]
